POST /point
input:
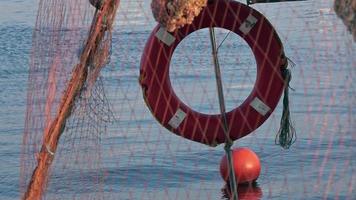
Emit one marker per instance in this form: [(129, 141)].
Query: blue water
[(142, 160)]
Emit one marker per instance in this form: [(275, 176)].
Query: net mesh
[(112, 147), (59, 33)]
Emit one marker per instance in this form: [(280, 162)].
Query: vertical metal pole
[(228, 142)]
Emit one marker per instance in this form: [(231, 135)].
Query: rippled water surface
[(151, 163)]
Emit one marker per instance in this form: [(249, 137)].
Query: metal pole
[(249, 2), (228, 142)]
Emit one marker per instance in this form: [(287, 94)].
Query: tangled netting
[(346, 10), (111, 147), (71, 82), (173, 14)]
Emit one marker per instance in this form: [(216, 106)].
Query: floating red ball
[(246, 164)]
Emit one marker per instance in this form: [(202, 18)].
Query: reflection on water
[(244, 192)]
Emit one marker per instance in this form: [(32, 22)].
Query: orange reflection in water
[(244, 192)]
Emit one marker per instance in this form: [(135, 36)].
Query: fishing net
[(111, 146), (176, 14), (65, 65), (346, 11)]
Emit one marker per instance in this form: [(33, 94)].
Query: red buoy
[(246, 164)]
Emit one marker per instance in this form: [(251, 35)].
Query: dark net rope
[(286, 135)]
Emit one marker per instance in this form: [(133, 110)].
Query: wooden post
[(103, 21)]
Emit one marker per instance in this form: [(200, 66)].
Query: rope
[(228, 141), (227, 35), (286, 135)]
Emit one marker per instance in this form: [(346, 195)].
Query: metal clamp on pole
[(249, 2)]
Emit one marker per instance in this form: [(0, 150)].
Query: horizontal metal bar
[(249, 2)]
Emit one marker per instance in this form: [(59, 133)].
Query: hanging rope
[(286, 135), (221, 43), (228, 142)]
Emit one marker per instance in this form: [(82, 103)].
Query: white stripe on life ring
[(260, 106), (248, 24), (165, 37), (177, 118)]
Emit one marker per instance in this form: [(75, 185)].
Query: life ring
[(177, 117)]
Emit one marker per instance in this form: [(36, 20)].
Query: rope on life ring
[(177, 117)]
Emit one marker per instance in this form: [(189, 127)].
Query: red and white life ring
[(173, 114)]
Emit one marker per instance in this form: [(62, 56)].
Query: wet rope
[(286, 135)]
